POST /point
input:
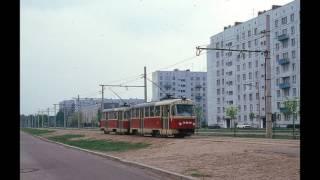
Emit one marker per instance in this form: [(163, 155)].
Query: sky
[(69, 47)]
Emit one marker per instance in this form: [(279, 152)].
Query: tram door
[(165, 116)]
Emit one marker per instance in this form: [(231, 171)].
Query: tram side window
[(106, 115), (120, 115), (125, 115), (146, 111), (115, 115), (157, 111), (173, 110), (142, 112), (137, 113), (151, 111), (128, 114)]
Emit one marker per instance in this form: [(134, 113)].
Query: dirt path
[(212, 157)]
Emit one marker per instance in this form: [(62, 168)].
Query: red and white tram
[(171, 117)]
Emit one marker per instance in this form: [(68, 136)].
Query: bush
[(297, 126)]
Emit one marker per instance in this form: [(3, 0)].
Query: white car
[(243, 126)]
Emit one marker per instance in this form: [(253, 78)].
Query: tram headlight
[(194, 124), (180, 123)]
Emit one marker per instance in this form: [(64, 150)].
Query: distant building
[(178, 83)]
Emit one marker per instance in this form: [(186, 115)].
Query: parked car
[(215, 126), (244, 126)]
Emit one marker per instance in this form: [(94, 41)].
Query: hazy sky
[(69, 47)]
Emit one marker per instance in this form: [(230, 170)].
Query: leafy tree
[(251, 116), (198, 111), (231, 112), (292, 109), (60, 116)]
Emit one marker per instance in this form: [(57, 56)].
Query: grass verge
[(196, 173), (38, 132), (99, 145)]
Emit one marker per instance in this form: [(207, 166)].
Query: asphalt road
[(44, 160)]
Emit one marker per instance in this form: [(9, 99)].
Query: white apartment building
[(238, 79), (191, 85)]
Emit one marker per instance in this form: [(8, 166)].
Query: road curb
[(155, 169)]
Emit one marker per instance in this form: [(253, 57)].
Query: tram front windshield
[(185, 110)]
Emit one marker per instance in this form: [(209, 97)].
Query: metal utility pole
[(267, 65), (102, 101), (64, 114), (145, 84), (79, 111), (42, 119), (48, 120), (55, 115), (268, 109)]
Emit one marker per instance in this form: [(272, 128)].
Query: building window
[(276, 23), (293, 54), (218, 73), (239, 99), (250, 65), (249, 44), (276, 34), (256, 63), (238, 78), (243, 35), (293, 66), (250, 97), (160, 77), (285, 44), (294, 92), (294, 79), (244, 107), (258, 107), (218, 109), (277, 46), (256, 74), (218, 82), (217, 54), (292, 29), (238, 88), (278, 105), (218, 63), (243, 45), (255, 31), (257, 96), (244, 97), (218, 91), (238, 37), (278, 70), (244, 66), (293, 42), (238, 67), (284, 20), (250, 75), (249, 33), (285, 55), (292, 17), (277, 81), (256, 42), (222, 90), (244, 77)]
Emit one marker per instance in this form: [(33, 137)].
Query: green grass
[(38, 132), (99, 145), (196, 173)]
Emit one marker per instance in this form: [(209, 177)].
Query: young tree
[(231, 112), (292, 109), (251, 116), (198, 111)]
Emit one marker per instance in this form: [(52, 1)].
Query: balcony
[(283, 110), (283, 37), (167, 86), (284, 85), (198, 97), (198, 86), (283, 61)]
